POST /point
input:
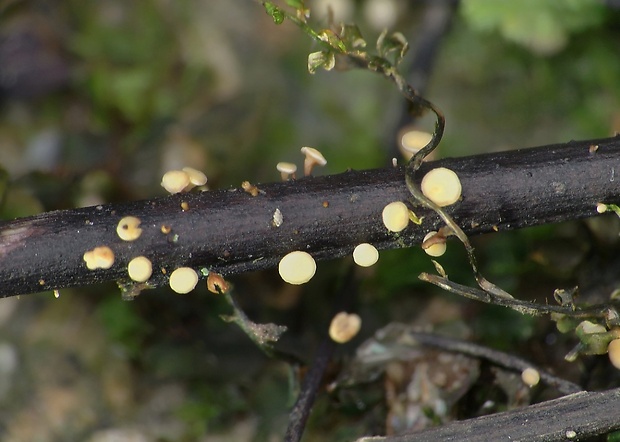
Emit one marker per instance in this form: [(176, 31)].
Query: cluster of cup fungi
[(440, 185)]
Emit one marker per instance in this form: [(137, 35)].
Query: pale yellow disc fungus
[(436, 249), (412, 141), (365, 255), (313, 158), (196, 177), (140, 269), (344, 327), (530, 377), (175, 181), (99, 258), (297, 267), (128, 228), (601, 208), (183, 280), (614, 352), (287, 170), (442, 186), (395, 216)]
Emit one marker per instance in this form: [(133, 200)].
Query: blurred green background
[(99, 98)]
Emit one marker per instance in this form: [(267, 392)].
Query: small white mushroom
[(313, 158), (613, 351), (436, 249), (196, 177), (140, 269), (183, 280), (175, 181), (128, 228), (99, 258), (365, 255), (395, 216), (287, 170), (442, 186), (530, 377), (297, 267), (344, 327), (411, 141), (601, 208)]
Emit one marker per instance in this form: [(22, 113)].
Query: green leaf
[(352, 37), (321, 59), (329, 37), (297, 4)]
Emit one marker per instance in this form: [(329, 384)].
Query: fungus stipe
[(297, 267), (128, 228), (442, 186), (395, 216), (365, 255), (183, 280)]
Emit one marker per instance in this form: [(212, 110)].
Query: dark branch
[(229, 231), (575, 417)]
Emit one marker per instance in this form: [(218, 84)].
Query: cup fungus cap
[(196, 177), (297, 267), (128, 228), (530, 376), (175, 181), (313, 158), (287, 170), (613, 350), (140, 269), (365, 255), (442, 186), (99, 258), (436, 249), (395, 216), (411, 141), (183, 280), (344, 327)]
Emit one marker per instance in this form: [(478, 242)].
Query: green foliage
[(543, 26), (123, 324)]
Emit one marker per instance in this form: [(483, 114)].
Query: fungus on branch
[(297, 267), (183, 280), (442, 186), (395, 216), (313, 158), (140, 269), (365, 255)]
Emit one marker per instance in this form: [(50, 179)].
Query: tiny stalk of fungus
[(287, 170), (313, 158)]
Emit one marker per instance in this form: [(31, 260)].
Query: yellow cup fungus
[(436, 249), (140, 269), (196, 177), (287, 170), (365, 255), (344, 327), (530, 376), (99, 258), (128, 228), (411, 141), (442, 186), (313, 158), (297, 267), (395, 216), (183, 280), (613, 350), (175, 181)]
